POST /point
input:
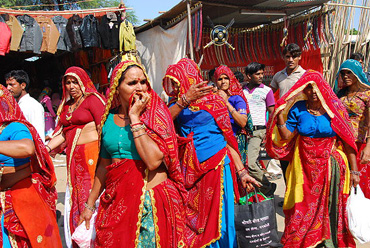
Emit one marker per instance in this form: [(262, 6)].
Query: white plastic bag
[(83, 237), (359, 215)]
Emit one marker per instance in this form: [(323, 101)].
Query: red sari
[(203, 210), (81, 159), (35, 194), (121, 205), (318, 173)]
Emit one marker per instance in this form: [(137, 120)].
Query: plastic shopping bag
[(85, 238), (359, 215)]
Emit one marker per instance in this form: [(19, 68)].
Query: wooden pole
[(189, 31)]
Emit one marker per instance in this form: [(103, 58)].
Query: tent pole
[(189, 31)]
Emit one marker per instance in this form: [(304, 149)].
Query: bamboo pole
[(189, 31)]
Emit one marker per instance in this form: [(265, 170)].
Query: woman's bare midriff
[(155, 177), (88, 134)]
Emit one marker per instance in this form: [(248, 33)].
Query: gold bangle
[(357, 173), (137, 128), (181, 106), (92, 209), (137, 136), (281, 126), (48, 147)]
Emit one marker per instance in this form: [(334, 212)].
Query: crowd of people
[(167, 174)]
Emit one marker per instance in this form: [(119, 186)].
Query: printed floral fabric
[(147, 229)]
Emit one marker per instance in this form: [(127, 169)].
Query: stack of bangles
[(357, 173), (184, 100), (243, 172), (92, 209), (136, 129), (281, 126), (49, 149)]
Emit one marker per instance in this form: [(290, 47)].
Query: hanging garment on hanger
[(5, 37), (109, 31), (74, 31), (50, 34), (89, 31), (32, 35), (127, 37), (16, 29), (64, 42)]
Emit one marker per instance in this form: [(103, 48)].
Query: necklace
[(313, 111), (70, 112), (124, 117), (349, 102)]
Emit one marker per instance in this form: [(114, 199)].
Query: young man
[(260, 100), (286, 78), (18, 82)]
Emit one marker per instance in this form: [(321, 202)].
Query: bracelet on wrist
[(232, 111), (241, 169), (281, 126), (136, 124), (48, 147), (243, 173), (181, 106), (185, 100), (138, 128), (92, 209), (139, 135), (357, 173)]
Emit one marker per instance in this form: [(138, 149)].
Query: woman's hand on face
[(355, 180), (197, 91), (140, 99), (86, 216), (222, 94), (365, 155)]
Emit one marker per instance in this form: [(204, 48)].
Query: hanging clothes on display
[(74, 31), (109, 30), (127, 36), (89, 31), (32, 36), (5, 37), (16, 29), (64, 42), (50, 34)]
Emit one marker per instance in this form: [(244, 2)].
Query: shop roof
[(221, 12)]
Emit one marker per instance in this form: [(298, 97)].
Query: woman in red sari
[(143, 204), (27, 180), (209, 157), (79, 119), (311, 129)]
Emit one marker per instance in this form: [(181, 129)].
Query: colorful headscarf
[(235, 89), (356, 68), (333, 106), (84, 81), (41, 164), (186, 73), (156, 117)]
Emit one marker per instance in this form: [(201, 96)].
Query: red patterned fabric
[(43, 180), (81, 159), (203, 180), (125, 186), (315, 165), (364, 169)]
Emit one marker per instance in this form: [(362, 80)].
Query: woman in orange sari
[(142, 205), (79, 118), (311, 129), (27, 180)]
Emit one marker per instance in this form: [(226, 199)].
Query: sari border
[(222, 166), (141, 207), (155, 219), (74, 144)]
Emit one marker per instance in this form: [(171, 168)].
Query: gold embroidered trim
[(141, 207), (176, 81), (221, 164), (155, 219), (13, 240), (78, 79), (74, 144)]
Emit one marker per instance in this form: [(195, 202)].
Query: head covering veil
[(356, 68), (333, 106), (156, 117), (186, 73)]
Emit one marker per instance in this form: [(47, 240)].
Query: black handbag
[(255, 223)]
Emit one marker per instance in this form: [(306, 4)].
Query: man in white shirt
[(286, 78), (18, 82), (260, 100)]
